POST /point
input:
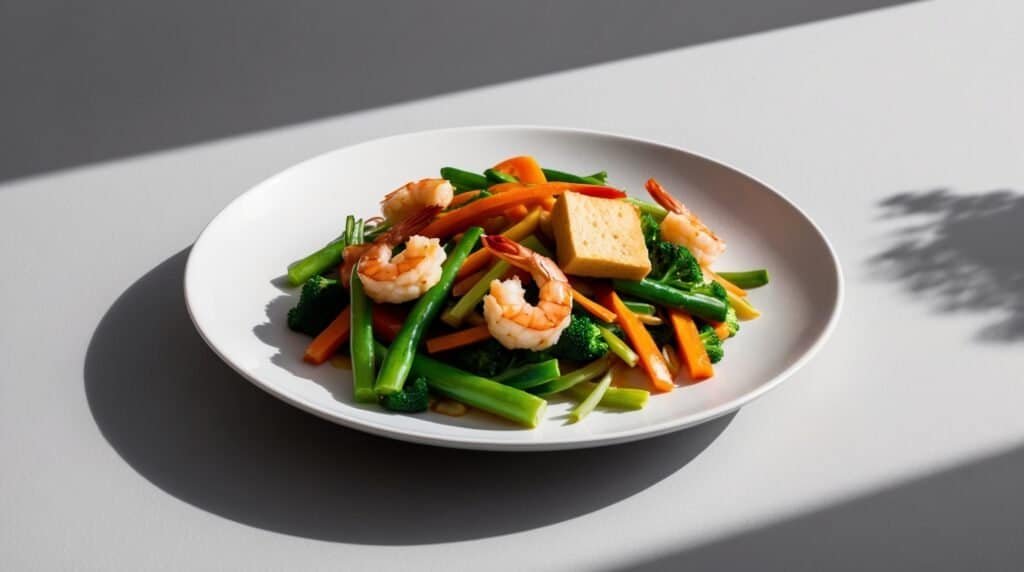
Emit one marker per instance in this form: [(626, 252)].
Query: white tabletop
[(126, 444)]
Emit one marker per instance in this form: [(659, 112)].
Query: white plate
[(235, 267)]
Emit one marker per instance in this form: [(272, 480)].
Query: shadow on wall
[(960, 252), (964, 519), (90, 81), (185, 421)]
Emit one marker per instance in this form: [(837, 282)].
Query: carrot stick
[(476, 211), (516, 213), (548, 204), (328, 341), (728, 285), (524, 168), (481, 258), (650, 356), (458, 339), (721, 330), (463, 285), (462, 199), (599, 311), (691, 349), (387, 321)]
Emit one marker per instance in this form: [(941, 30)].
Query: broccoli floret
[(673, 265), (414, 397), (321, 301), (731, 321), (652, 231), (712, 343), (580, 341), (713, 289), (486, 359)]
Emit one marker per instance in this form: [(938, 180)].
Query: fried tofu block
[(599, 237)]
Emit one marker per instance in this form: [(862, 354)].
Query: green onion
[(587, 405), (619, 347)]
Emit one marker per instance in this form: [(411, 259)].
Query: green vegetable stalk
[(585, 373), (619, 347), (614, 397), (530, 375), (361, 343), (656, 211), (590, 401), (497, 177), (464, 180), (700, 305), (396, 366), (641, 308), (491, 396), (563, 177), (747, 278)]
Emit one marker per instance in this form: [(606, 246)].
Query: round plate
[(235, 294)]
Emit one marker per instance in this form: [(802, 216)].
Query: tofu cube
[(599, 237)]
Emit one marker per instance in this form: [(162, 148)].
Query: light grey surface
[(87, 81), (126, 445)]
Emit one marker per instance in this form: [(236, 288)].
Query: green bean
[(699, 305), (747, 278), (497, 177), (585, 373), (591, 400), (361, 343), (619, 347), (530, 375), (614, 397), (561, 176), (316, 263), (642, 308), (464, 180), (396, 366), (482, 393)]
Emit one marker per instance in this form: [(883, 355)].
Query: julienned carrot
[(650, 356), (481, 258), (524, 168), (464, 284), (387, 321), (691, 349), (463, 198), (458, 339), (516, 213), (728, 285), (599, 311), (476, 211), (328, 341), (548, 203), (721, 330)]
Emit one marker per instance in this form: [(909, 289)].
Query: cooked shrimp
[(409, 274), (513, 321), (414, 196), (683, 227)]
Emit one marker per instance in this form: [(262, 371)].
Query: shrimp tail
[(542, 269), (408, 227), (663, 198)]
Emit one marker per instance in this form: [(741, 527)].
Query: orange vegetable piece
[(458, 339), (328, 341), (524, 168), (691, 349), (643, 344)]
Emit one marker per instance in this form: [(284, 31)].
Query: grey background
[(126, 444), (88, 81)]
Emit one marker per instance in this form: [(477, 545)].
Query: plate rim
[(618, 437)]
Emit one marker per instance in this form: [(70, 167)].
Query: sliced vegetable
[(614, 397), (364, 362), (458, 339), (525, 169), (387, 321), (585, 373), (619, 347), (396, 366), (744, 310), (522, 229), (729, 286), (691, 348), (700, 305), (316, 263), (464, 180), (721, 330), (656, 211), (476, 211), (643, 344), (497, 177), (596, 179), (530, 375), (640, 308), (455, 315), (590, 402), (516, 213), (491, 396), (598, 311), (466, 197), (464, 284), (327, 342), (747, 278)]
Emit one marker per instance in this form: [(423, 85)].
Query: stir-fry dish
[(502, 290)]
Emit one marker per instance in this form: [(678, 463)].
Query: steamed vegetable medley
[(501, 290)]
